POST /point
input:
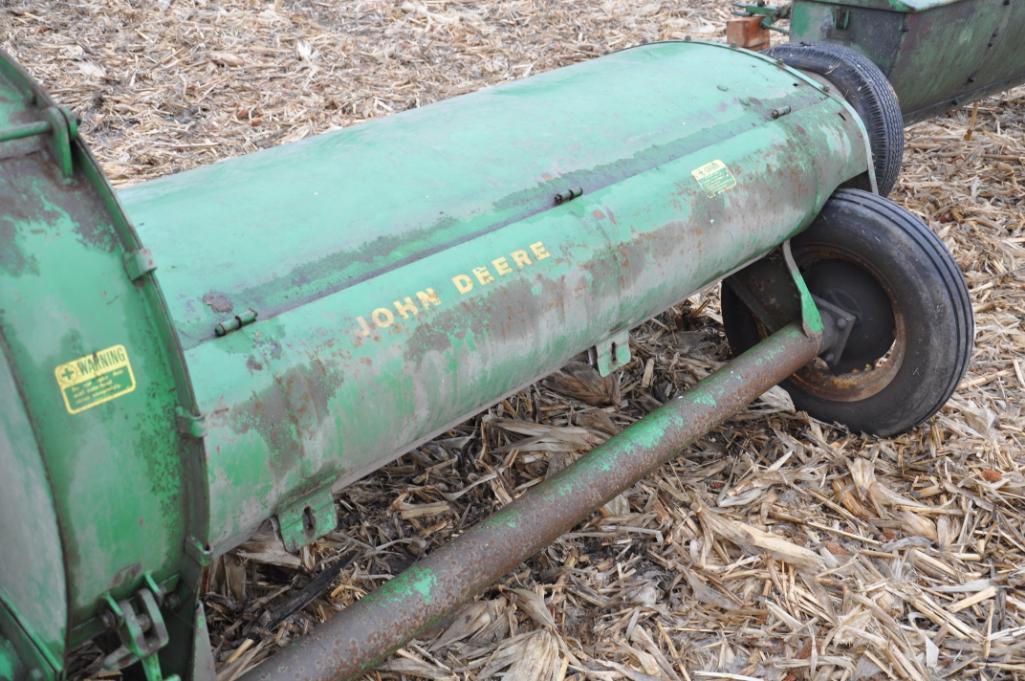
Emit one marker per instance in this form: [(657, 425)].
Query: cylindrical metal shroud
[(358, 637), (412, 270)]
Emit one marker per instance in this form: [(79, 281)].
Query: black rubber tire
[(924, 286), (867, 90)]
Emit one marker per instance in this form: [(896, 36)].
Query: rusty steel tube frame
[(362, 635)]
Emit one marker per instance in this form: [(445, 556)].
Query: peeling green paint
[(701, 397), (413, 583)]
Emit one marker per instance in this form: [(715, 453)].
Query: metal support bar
[(362, 635), (18, 132), (63, 127)]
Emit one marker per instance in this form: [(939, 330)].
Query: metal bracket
[(63, 129), (138, 263), (811, 320), (307, 519), (611, 353), (770, 14), (199, 551), (838, 323), (189, 424), (776, 293), (142, 633)]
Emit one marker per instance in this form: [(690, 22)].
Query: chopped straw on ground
[(777, 548)]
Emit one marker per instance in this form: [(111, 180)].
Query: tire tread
[(883, 120)]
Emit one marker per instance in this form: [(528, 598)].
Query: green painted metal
[(428, 592), (95, 491), (333, 303), (902, 6), (31, 599), (421, 259), (10, 665), (937, 54)]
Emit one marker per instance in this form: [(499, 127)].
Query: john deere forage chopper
[(190, 357)]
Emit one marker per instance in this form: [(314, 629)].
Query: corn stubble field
[(776, 548)]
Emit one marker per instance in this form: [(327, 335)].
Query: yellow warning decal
[(714, 177), (94, 379)]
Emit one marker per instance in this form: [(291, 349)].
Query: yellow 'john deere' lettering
[(409, 307)]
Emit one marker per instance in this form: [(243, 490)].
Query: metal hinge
[(141, 629), (610, 354), (235, 323), (568, 195)]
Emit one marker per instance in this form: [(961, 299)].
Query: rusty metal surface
[(323, 334), (364, 634), (377, 325), (748, 32)]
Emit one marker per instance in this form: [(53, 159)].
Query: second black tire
[(867, 90)]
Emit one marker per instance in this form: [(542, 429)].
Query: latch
[(611, 353), (307, 519), (141, 628)]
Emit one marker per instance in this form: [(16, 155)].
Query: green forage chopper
[(187, 358)]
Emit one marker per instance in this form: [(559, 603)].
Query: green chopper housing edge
[(295, 318)]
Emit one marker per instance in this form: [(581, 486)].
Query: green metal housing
[(937, 54), (303, 315)]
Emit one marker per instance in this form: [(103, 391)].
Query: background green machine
[(937, 54)]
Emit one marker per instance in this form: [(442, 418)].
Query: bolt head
[(108, 619)]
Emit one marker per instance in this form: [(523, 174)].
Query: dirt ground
[(887, 558)]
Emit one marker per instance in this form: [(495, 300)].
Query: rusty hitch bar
[(364, 634)]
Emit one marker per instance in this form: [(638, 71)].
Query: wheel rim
[(877, 344)]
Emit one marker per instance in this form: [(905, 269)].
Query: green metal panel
[(31, 599), (901, 6), (358, 250), (92, 359), (936, 54)]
